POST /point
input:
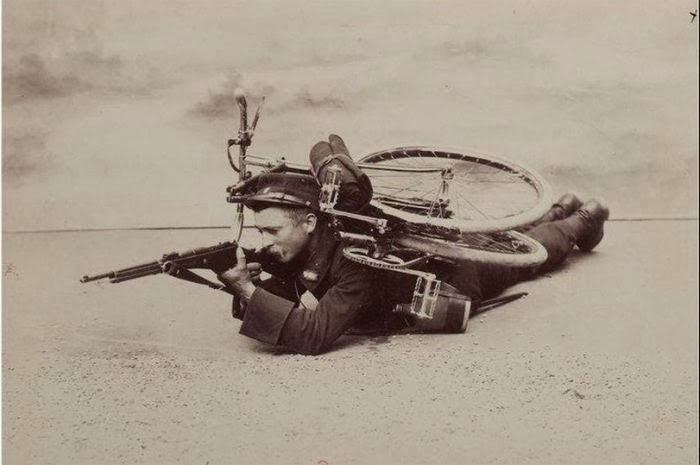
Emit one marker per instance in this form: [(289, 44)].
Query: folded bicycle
[(427, 204)]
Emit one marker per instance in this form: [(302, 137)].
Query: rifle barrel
[(123, 274), (203, 257), (126, 275), (87, 279)]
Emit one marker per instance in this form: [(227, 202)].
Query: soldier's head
[(286, 213)]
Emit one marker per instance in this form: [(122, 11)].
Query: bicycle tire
[(509, 248), (513, 194)]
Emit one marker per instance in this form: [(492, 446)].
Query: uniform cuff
[(238, 308), (265, 316)]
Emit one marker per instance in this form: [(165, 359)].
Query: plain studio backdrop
[(116, 114)]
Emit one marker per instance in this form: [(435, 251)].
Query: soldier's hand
[(240, 279)]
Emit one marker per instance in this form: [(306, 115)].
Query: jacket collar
[(320, 252)]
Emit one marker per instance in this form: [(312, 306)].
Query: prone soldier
[(306, 256)]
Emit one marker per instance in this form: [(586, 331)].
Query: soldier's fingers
[(338, 144), (254, 267), (240, 258)]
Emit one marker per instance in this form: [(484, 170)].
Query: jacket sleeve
[(276, 320), (277, 286)]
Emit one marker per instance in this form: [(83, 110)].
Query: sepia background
[(116, 115)]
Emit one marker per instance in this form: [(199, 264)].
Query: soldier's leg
[(565, 206), (483, 281), (558, 239), (584, 229)]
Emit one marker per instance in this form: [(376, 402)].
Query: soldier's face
[(284, 237)]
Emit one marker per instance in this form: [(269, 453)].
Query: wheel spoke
[(485, 193)]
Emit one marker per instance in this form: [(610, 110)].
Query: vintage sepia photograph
[(349, 232)]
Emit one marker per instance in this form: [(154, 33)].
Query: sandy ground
[(597, 365)]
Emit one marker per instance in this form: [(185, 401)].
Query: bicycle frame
[(377, 245)]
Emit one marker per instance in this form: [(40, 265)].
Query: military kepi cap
[(291, 189)]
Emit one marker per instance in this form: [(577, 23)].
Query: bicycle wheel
[(508, 248), (447, 188)]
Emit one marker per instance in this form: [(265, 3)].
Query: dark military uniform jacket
[(349, 295), (347, 292)]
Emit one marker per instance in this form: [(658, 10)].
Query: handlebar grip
[(239, 94)]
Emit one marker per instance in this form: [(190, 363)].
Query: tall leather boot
[(587, 223), (565, 206)]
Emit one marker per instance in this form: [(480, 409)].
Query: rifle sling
[(180, 272)]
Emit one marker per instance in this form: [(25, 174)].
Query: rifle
[(218, 258)]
